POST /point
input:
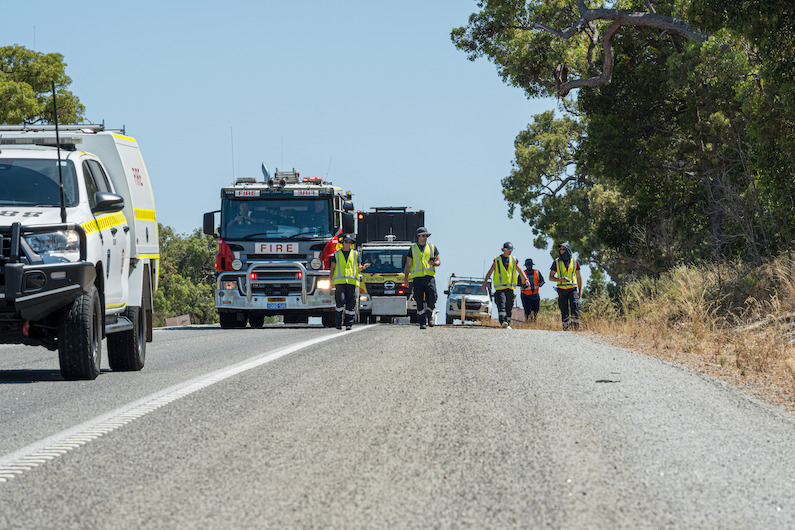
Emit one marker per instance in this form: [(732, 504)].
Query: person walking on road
[(344, 268), (420, 268), (565, 271), (531, 300), (507, 272)]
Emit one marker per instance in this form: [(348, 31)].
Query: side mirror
[(107, 202), (347, 222), (347, 206), (209, 224), (447, 293)]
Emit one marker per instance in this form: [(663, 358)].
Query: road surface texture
[(387, 427)]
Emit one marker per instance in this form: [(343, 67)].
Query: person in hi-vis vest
[(420, 269), (506, 271), (344, 268), (531, 300), (566, 272)]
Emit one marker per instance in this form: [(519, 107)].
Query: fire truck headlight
[(237, 264), (230, 286), (323, 284), (316, 263), (54, 247), (364, 297)]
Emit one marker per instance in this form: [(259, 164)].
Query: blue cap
[(508, 245)]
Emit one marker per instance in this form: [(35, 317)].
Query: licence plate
[(389, 291), (276, 305)]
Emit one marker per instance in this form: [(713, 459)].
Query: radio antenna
[(58, 146), (329, 165), (232, 138)]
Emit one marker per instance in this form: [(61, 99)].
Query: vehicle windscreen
[(384, 261), (467, 288), (276, 218), (35, 182)]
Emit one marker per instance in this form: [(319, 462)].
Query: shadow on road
[(29, 376)]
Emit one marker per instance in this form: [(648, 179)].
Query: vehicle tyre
[(373, 319), (413, 318), (127, 349), (449, 320), (228, 319), (364, 317), (80, 337), (256, 321), (328, 319)]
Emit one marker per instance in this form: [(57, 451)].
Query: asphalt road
[(387, 426)]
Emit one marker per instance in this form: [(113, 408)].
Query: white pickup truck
[(79, 245)]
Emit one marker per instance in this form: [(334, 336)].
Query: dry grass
[(731, 322)]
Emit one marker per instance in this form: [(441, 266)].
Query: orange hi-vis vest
[(536, 281)]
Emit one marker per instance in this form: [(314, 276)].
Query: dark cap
[(528, 263), (508, 245), (422, 231), (348, 237)]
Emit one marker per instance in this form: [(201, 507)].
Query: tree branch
[(619, 18)]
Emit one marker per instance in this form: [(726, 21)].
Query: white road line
[(14, 464)]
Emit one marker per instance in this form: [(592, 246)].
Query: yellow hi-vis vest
[(345, 270), (567, 274), (506, 278), (421, 261)]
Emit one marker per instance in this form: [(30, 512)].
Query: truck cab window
[(91, 185), (99, 176)]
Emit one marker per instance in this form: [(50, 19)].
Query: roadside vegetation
[(187, 277)]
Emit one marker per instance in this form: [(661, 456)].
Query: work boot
[(504, 324), (422, 326), (347, 328)]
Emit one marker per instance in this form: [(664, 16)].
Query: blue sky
[(372, 95)]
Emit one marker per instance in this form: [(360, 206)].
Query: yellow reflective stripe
[(114, 306), (150, 256), (124, 137), (104, 222), (142, 214)]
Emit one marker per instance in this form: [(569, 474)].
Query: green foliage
[(687, 156), (26, 79), (187, 276), (524, 58)]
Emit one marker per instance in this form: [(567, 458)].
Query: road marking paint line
[(14, 464)]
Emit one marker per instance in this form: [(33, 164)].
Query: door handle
[(113, 230)]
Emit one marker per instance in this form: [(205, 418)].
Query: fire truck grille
[(279, 283)]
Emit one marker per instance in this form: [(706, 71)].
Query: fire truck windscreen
[(276, 219), (34, 182)]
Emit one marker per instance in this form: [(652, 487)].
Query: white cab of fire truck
[(81, 264)]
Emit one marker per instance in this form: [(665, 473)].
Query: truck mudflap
[(33, 289)]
